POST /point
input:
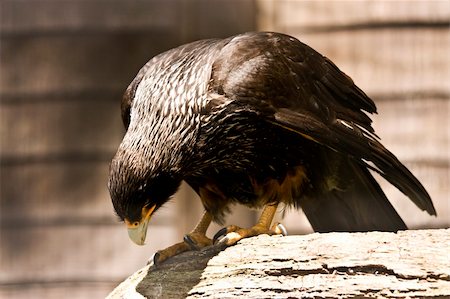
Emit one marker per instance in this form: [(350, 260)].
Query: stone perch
[(412, 264)]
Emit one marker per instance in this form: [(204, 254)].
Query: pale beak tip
[(137, 235), (138, 231)]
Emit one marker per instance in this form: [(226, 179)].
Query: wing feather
[(295, 87), (363, 147)]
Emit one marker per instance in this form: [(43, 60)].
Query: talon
[(154, 259), (220, 235), (280, 229), (232, 238), (188, 240), (221, 240)]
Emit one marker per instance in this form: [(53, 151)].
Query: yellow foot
[(192, 241), (230, 235)]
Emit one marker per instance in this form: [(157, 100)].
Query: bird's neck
[(163, 144)]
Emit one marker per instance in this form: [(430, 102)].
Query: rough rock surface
[(414, 264)]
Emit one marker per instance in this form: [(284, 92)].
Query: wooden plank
[(384, 61), (54, 193), (34, 128), (415, 129), (64, 64), (191, 19), (75, 254), (310, 15), (381, 59), (389, 60), (218, 18), (24, 16), (60, 194), (51, 63)]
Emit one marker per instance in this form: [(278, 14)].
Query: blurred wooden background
[(65, 64)]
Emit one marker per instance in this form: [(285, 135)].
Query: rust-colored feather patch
[(274, 191)]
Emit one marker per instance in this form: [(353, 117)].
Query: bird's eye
[(136, 223)]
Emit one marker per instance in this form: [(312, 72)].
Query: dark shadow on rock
[(175, 277)]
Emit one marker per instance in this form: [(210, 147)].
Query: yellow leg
[(265, 220), (203, 224), (197, 237), (232, 234), (194, 240)]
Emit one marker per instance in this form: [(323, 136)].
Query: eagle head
[(138, 193)]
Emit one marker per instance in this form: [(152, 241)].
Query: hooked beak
[(137, 231)]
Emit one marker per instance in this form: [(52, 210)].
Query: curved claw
[(153, 259), (220, 235), (232, 234), (188, 240), (280, 229)]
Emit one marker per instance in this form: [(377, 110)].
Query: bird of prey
[(256, 119)]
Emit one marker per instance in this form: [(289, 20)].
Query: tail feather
[(360, 143), (360, 205)]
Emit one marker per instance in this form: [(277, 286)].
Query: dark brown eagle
[(256, 119)]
